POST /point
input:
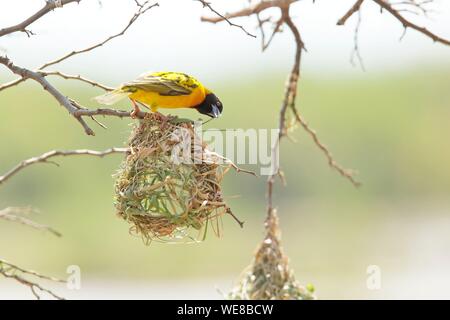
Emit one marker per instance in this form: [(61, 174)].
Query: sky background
[(160, 40)]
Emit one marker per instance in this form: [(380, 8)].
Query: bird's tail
[(112, 97)]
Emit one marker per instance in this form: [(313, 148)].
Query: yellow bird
[(166, 90)]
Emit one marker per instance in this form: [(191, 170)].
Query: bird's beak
[(215, 113)]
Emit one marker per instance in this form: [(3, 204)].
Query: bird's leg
[(134, 114)]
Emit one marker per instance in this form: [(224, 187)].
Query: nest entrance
[(163, 195), (269, 276)]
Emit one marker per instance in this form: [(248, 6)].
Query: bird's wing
[(164, 83)]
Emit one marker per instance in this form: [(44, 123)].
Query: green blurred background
[(390, 123), (393, 128)]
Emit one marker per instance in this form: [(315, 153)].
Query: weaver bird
[(166, 90)]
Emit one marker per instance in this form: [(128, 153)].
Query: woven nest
[(161, 197), (269, 276)]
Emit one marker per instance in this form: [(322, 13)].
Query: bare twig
[(44, 158), (108, 112), (395, 9), (413, 6), (49, 6), (276, 28), (384, 4), (224, 18), (12, 214), (251, 10), (241, 223), (75, 77), (142, 9), (346, 173), (355, 51), (11, 83), (355, 8), (11, 271)]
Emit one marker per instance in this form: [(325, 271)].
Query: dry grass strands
[(165, 198), (269, 277)]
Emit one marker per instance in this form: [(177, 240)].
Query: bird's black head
[(211, 106)]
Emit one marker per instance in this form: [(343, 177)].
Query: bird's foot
[(134, 114)]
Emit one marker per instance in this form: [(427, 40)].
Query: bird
[(165, 89)]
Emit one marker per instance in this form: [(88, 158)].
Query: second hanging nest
[(269, 277)]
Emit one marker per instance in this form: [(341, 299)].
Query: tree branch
[(38, 77), (355, 8), (251, 10), (75, 77), (58, 74), (224, 18), (74, 109), (11, 271), (107, 112), (44, 158), (346, 173), (384, 4), (49, 6)]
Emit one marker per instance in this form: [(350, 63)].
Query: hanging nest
[(163, 197), (269, 277)]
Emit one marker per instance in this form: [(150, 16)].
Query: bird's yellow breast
[(156, 100)]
